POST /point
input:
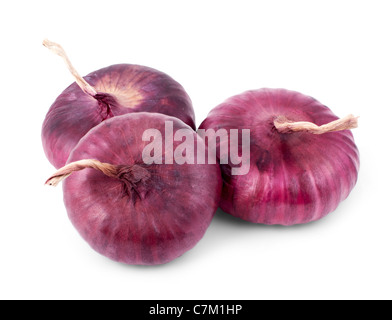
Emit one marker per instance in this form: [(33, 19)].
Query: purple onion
[(303, 159), (106, 93), (130, 211)]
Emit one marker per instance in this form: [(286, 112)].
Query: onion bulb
[(106, 93), (303, 159), (132, 210)]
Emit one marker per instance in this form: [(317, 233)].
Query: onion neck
[(105, 101), (283, 125), (58, 49), (133, 177)]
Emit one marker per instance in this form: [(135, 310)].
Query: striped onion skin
[(175, 206), (294, 177)]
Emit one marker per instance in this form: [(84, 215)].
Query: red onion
[(130, 211), (103, 94), (303, 160)]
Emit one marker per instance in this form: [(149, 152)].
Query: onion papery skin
[(175, 206), (294, 177), (122, 89)]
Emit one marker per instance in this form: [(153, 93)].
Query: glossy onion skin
[(294, 178), (176, 206), (124, 88)]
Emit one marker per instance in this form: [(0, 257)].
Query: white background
[(339, 52)]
